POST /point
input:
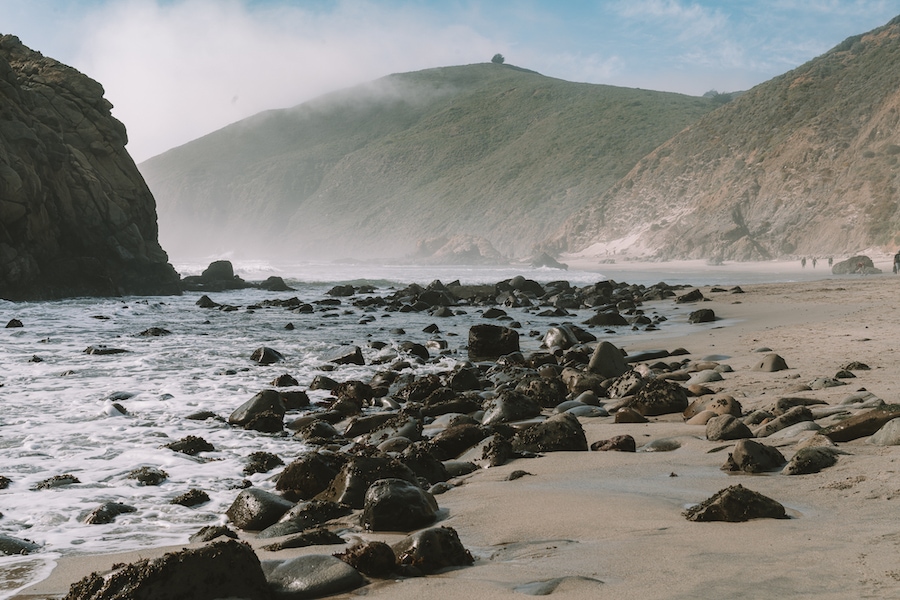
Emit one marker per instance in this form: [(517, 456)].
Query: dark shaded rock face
[(736, 504), (76, 217)]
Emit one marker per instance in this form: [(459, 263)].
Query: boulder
[(10, 545), (431, 550), (255, 509), (248, 413), (229, 569), (76, 217), (704, 315), (726, 427), (266, 356), (310, 576), (736, 504), (861, 265), (351, 483), (397, 505), (561, 432), (659, 397), (811, 460), (509, 406), (750, 456), (308, 475), (371, 558), (488, 342), (619, 443), (771, 363), (607, 360), (862, 424)]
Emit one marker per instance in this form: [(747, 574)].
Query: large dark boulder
[(736, 504), (226, 569), (310, 474), (76, 218), (266, 403), (351, 483), (560, 432), (659, 397), (310, 576), (255, 509), (492, 341), (861, 264), (397, 505)]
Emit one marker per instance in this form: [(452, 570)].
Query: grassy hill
[(486, 150), (804, 164)]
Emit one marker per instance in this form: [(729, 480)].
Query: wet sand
[(610, 524)]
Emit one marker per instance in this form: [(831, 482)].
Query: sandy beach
[(610, 524)]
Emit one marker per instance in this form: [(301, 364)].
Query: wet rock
[(431, 550), (736, 504), (811, 460), (770, 364), (509, 406), (619, 443), (791, 417), (351, 483), (750, 456), (308, 475), (265, 403), (888, 435), (704, 315), (313, 537), (155, 332), (726, 427), (255, 509), (488, 342), (351, 355), (861, 425), (559, 433), (419, 458), (103, 350), (371, 558), (148, 475), (547, 392), (629, 415), (661, 445), (191, 445), (285, 380), (266, 356), (211, 532), (625, 385), (397, 505), (275, 283), (107, 513), (193, 497), (261, 462), (56, 481), (456, 439), (14, 323), (310, 576), (659, 397), (11, 546), (305, 515), (692, 296), (229, 569)]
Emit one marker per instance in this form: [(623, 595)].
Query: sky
[(176, 70)]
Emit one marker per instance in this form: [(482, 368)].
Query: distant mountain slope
[(804, 164), (485, 150)]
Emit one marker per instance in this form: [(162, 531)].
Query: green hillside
[(803, 164), (485, 150)]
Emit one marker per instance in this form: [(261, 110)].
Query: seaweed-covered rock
[(431, 550), (255, 509), (371, 558), (225, 569), (659, 397), (351, 483), (560, 432), (310, 576)]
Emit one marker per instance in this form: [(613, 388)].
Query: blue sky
[(178, 69)]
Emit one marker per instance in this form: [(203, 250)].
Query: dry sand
[(611, 523)]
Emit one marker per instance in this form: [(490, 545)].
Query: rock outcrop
[(76, 217)]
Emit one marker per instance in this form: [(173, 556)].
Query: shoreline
[(615, 518)]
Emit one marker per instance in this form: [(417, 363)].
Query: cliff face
[(76, 218), (805, 164)]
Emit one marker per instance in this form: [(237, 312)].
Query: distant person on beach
[(830, 261), (803, 262), (897, 262), (814, 262)]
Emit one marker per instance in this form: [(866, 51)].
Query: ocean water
[(59, 413)]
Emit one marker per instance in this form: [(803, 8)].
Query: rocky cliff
[(76, 217), (807, 163)]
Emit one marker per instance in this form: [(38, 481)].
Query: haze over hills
[(483, 150), (804, 164)]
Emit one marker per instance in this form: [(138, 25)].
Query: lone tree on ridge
[(498, 59)]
